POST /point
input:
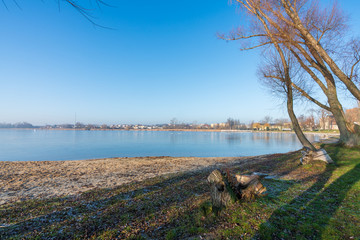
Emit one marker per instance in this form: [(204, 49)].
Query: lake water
[(41, 145)]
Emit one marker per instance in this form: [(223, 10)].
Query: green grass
[(312, 202)]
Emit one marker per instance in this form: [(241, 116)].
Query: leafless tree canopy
[(316, 38), (315, 34), (85, 8)]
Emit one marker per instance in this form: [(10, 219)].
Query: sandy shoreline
[(43, 179)]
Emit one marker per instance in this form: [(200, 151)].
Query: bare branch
[(303, 93), (233, 38), (307, 69), (85, 12), (352, 69), (257, 46), (273, 77), (3, 1)]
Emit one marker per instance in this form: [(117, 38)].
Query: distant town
[(317, 120)]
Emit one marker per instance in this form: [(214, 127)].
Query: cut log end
[(220, 195), (224, 190)]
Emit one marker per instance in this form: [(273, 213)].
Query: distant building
[(329, 123), (277, 127), (353, 115), (272, 127), (286, 127), (260, 126)]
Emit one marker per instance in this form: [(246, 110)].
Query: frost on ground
[(44, 179)]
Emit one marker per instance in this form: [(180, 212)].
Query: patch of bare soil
[(43, 179)]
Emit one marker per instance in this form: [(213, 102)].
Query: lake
[(52, 145)]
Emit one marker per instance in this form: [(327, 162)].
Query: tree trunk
[(349, 134), (290, 107)]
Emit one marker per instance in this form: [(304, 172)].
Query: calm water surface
[(41, 145)]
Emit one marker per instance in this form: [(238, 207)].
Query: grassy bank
[(307, 202)]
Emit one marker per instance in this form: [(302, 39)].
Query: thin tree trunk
[(290, 107)]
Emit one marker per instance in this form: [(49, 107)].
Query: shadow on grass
[(152, 209), (308, 215), (128, 211)]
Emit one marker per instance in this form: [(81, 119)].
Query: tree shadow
[(307, 215), (130, 210), (150, 209)]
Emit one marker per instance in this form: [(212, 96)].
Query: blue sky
[(161, 60)]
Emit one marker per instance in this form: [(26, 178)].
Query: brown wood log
[(219, 191), (249, 187), (224, 190)]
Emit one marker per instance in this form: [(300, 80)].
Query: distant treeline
[(17, 125)]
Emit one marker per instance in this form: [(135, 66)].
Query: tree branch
[(305, 94), (241, 37), (308, 70), (257, 46), (352, 69)]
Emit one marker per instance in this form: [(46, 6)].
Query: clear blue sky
[(162, 60)]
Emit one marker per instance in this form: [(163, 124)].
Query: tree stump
[(219, 191), (225, 190), (319, 155)]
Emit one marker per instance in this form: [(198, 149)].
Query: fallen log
[(227, 188), (248, 187)]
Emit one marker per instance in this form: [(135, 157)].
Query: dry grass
[(33, 180), (314, 201)]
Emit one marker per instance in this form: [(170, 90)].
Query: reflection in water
[(175, 137), (233, 139), (25, 145)]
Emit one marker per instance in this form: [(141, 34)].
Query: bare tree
[(267, 119), (313, 26), (173, 123), (281, 121), (310, 122), (323, 116), (233, 123), (312, 36), (277, 75)]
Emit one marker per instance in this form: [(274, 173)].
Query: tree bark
[(225, 189), (219, 191), (349, 135), (290, 108)]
